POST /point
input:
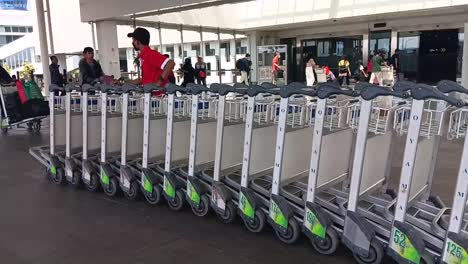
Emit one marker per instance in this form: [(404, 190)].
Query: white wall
[(265, 13), (92, 10)]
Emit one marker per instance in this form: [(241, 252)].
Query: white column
[(202, 44), (43, 44), (108, 49), (365, 48), (253, 39), (49, 22), (465, 58), (394, 43), (160, 38)]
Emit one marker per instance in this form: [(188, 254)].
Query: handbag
[(280, 73)]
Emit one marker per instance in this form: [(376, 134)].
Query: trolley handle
[(54, 87), (71, 87), (129, 87), (255, 90), (404, 86), (224, 89), (371, 91), (328, 90), (173, 88), (198, 88), (149, 88), (296, 89), (268, 85), (88, 87), (447, 86), (424, 91), (105, 88)]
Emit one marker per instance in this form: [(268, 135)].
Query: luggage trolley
[(202, 149), (227, 185), (111, 139), (364, 226), (53, 156), (317, 223), (455, 246), (132, 140), (177, 146), (9, 104), (166, 151), (154, 137), (287, 162), (91, 108), (408, 242), (73, 133)]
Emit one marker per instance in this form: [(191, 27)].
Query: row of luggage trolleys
[(313, 161)]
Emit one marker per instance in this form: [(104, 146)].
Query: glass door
[(380, 40)]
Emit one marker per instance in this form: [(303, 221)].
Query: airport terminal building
[(429, 33)]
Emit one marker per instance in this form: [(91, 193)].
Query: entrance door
[(380, 40), (291, 55), (438, 56)]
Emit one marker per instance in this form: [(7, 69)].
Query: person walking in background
[(243, 65), (369, 67), (155, 67), (362, 73), (343, 70), (55, 76), (171, 76), (309, 71), (275, 66), (189, 72), (395, 62), (200, 71), (377, 62), (90, 69)]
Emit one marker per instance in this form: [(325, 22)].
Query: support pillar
[(394, 42), (202, 45), (49, 22), (108, 49), (43, 44), (160, 39), (219, 57), (182, 42), (465, 58), (253, 40), (365, 48)]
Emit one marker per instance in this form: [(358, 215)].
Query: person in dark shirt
[(395, 62), (244, 68), (55, 76), (189, 72), (90, 69)]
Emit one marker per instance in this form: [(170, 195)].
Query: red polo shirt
[(152, 64)]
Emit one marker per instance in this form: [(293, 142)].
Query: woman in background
[(189, 72), (309, 71)]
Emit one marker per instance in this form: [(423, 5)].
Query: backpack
[(238, 64)]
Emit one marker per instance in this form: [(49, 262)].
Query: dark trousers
[(341, 78), (201, 81)]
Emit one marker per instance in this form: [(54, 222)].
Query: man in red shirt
[(275, 66), (155, 67)]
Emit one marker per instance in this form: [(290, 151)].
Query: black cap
[(141, 35)]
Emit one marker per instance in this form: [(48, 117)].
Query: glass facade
[(329, 51), (380, 40), (408, 43), (461, 37), (20, 58)]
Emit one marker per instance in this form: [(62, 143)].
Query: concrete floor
[(43, 223)]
